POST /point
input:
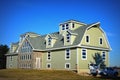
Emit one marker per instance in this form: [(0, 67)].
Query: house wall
[(58, 59), (11, 61), (34, 56), (82, 65), (24, 62), (95, 34)]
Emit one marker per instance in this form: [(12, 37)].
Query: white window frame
[(66, 65), (26, 47), (67, 55), (83, 55), (49, 52), (104, 52), (63, 27), (47, 65), (68, 35), (88, 39), (73, 25), (100, 41), (67, 26), (49, 41)]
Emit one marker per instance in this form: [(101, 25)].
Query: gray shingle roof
[(40, 43)]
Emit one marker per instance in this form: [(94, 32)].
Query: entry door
[(37, 63)]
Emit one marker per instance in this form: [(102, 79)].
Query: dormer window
[(73, 25), (67, 26), (63, 27), (49, 41), (68, 37)]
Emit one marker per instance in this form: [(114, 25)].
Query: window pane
[(84, 54), (48, 56), (63, 27), (73, 25), (67, 26), (67, 66), (100, 40), (87, 38), (67, 54)]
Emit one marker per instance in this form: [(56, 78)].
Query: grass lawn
[(23, 74)]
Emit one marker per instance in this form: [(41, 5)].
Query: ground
[(26, 74)]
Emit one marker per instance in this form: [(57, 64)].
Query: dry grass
[(23, 74)]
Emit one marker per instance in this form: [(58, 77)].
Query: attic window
[(68, 37), (73, 25), (67, 26), (87, 39), (101, 41), (49, 41), (63, 27)]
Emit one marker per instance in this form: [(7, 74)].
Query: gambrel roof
[(39, 43)]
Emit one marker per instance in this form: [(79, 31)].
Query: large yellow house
[(71, 48)]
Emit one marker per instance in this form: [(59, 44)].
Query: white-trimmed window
[(103, 55), (87, 39), (63, 27), (26, 47), (67, 26), (67, 54), (49, 41), (101, 41), (48, 65), (49, 55), (73, 25), (84, 54), (67, 65), (68, 37)]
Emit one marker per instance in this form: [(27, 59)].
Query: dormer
[(70, 25), (13, 47), (69, 37), (28, 34), (50, 41)]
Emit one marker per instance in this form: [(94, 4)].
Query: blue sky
[(44, 16)]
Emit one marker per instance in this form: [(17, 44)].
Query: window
[(11, 58), (48, 65), (84, 54), (48, 56), (30, 57), (87, 39), (103, 55), (67, 66), (101, 41), (67, 54), (68, 37), (49, 41), (67, 26), (73, 25), (26, 48), (63, 27)]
